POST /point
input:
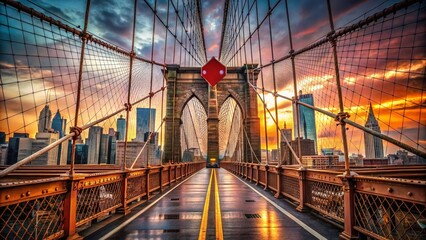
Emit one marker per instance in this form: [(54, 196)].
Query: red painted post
[(161, 178), (147, 182), (279, 171), (348, 207), (124, 209), (170, 175), (266, 177), (251, 172), (70, 208), (257, 174), (302, 190)]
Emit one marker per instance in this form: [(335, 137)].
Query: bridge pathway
[(245, 214)]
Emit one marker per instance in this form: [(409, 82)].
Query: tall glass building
[(308, 129), (121, 128), (145, 122), (94, 144)]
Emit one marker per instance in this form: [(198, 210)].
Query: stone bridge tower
[(184, 83)]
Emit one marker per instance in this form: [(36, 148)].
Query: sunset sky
[(394, 82)]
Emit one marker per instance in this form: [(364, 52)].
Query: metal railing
[(59, 207), (381, 207)]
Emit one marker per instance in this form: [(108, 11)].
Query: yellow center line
[(205, 218), (218, 214)]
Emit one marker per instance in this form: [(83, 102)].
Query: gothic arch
[(240, 102), (189, 97)]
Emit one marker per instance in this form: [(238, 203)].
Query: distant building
[(121, 127), (373, 145), (320, 161), (333, 151), (21, 135), (264, 155), (112, 145), (43, 139), (19, 147), (133, 149), (2, 137), (307, 149), (286, 132), (306, 119), (44, 119), (375, 161), (356, 159), (188, 155), (274, 155), (3, 154), (94, 144), (81, 151), (401, 157), (145, 122), (104, 149), (63, 153), (59, 126), (154, 137)]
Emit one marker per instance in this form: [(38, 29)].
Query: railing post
[(279, 171), (170, 175), (266, 177), (70, 208), (181, 170), (251, 172), (348, 207), (147, 182), (161, 178), (124, 209), (302, 189), (257, 174)]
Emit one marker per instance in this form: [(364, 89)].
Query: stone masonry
[(184, 83)]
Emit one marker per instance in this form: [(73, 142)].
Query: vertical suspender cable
[(84, 37)]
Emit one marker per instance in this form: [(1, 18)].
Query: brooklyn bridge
[(229, 119)]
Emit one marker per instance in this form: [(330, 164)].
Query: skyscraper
[(112, 145), (286, 132), (373, 145), (104, 149), (44, 119), (59, 125), (2, 137), (42, 140), (121, 128), (19, 147), (94, 144), (145, 122), (306, 119)]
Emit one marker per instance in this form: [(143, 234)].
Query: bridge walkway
[(245, 210)]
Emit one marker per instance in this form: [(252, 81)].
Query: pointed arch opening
[(193, 131), (230, 130)]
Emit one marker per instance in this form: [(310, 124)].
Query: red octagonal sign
[(213, 71)]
